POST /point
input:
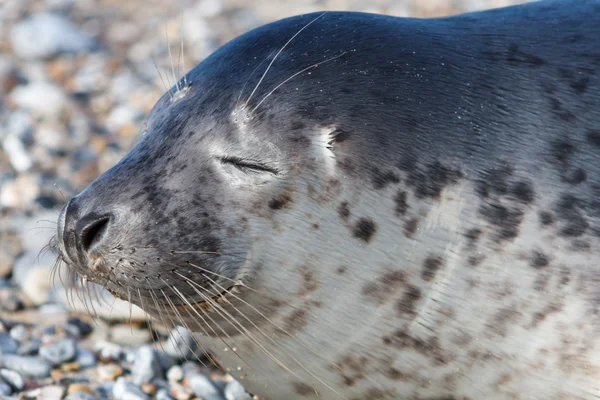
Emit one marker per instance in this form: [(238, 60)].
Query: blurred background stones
[(77, 78)]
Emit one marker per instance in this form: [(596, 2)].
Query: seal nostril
[(93, 231)]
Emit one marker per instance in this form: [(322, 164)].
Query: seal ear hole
[(248, 165)]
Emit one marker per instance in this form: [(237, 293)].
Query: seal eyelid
[(241, 163)]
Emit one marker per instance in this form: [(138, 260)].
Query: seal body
[(358, 206)]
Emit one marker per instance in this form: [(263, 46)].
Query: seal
[(358, 206)]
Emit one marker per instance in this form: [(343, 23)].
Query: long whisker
[(277, 55), (275, 344), (237, 103), (176, 81), (293, 76), (239, 327), (270, 321)]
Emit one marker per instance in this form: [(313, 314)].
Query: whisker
[(162, 79), (174, 289), (242, 330), (237, 103), (176, 82), (277, 55), (271, 322), (275, 344), (294, 75)]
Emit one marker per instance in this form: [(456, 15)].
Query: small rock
[(59, 352), (80, 396), (70, 367), (180, 392), (108, 351), (77, 328), (105, 390), (5, 389), (85, 358), (127, 336), (52, 392), (163, 394), (20, 333), (235, 391), (40, 97), (203, 387), (190, 369), (13, 378), (146, 366), (149, 388), (33, 367), (180, 343), (124, 390), (79, 388), (175, 374), (109, 372), (44, 35), (8, 345), (30, 348), (19, 192), (32, 273)]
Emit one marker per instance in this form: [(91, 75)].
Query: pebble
[(10, 300), (180, 343), (32, 272), (41, 98), (34, 367), (8, 345), (5, 389), (20, 333), (163, 394), (149, 388), (126, 336), (77, 328), (19, 191), (79, 388), (125, 390), (30, 348), (108, 351), (81, 396), (175, 374), (180, 392), (59, 352), (203, 387), (85, 358), (146, 366), (51, 392), (109, 372), (13, 378), (235, 391), (45, 34)]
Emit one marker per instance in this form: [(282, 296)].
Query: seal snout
[(80, 235)]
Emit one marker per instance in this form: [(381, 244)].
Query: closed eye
[(245, 165)]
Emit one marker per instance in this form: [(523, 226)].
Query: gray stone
[(163, 394), (30, 348), (203, 387), (33, 367), (20, 333), (146, 366), (86, 358), (235, 391), (180, 343), (125, 390), (59, 352), (5, 389), (13, 378), (8, 345)]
